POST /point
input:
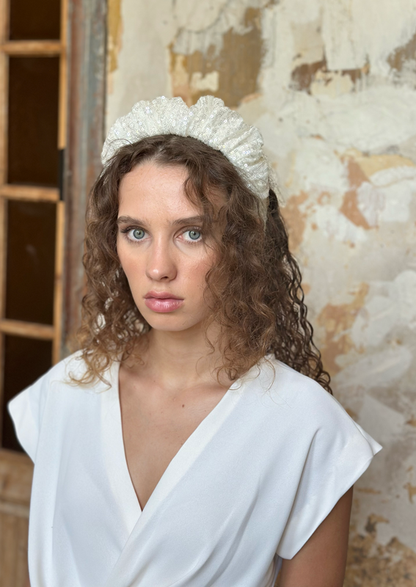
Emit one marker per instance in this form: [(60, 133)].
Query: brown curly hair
[(255, 287)]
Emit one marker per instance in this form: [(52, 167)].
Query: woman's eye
[(194, 235), (137, 234)]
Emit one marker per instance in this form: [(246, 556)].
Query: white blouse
[(248, 487)]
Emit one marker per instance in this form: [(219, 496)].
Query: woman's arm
[(321, 561)]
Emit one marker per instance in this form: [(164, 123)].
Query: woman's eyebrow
[(179, 221)]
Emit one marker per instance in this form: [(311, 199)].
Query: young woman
[(193, 440)]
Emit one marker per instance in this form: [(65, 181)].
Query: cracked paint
[(349, 206), (114, 32), (295, 219), (371, 564), (369, 490), (315, 78), (412, 421), (401, 56), (411, 489), (336, 321), (230, 74)]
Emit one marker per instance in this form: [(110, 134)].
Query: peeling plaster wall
[(332, 86)]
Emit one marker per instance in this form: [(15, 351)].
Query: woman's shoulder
[(38, 391), (58, 389), (64, 379), (296, 399), (286, 385), (71, 370), (299, 403), (72, 364)]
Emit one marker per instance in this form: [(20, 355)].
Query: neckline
[(186, 454), (136, 520)]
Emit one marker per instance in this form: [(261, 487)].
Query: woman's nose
[(160, 263)]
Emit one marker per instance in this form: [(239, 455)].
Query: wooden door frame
[(87, 55), (82, 132), (82, 51)]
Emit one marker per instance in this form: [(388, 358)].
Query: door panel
[(30, 247), (15, 482), (34, 20), (33, 120)]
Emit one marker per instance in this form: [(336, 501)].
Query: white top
[(248, 487)]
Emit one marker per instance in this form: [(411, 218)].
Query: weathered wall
[(332, 86)]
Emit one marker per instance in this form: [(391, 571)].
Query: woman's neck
[(179, 359)]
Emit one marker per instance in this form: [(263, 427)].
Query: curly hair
[(255, 287)]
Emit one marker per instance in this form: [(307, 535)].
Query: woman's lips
[(163, 304)]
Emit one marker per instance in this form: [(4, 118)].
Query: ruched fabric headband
[(210, 121)]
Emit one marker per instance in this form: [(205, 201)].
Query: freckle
[(183, 405)]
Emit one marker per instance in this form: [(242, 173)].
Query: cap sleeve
[(25, 410), (339, 453)]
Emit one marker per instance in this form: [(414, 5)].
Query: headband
[(208, 121)]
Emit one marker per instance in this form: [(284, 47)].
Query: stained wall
[(332, 86)]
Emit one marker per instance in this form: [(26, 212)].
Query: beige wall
[(332, 86)]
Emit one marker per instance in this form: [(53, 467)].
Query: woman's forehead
[(153, 175), (159, 189), (155, 190)]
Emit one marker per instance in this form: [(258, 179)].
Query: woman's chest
[(156, 427), (203, 506)]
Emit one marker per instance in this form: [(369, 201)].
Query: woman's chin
[(166, 323)]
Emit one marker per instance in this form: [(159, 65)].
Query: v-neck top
[(247, 488)]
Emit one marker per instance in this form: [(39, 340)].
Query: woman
[(193, 440)]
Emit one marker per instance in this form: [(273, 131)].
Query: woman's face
[(161, 247)]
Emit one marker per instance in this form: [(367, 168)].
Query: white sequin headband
[(209, 121)]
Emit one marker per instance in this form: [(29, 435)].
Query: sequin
[(210, 121)]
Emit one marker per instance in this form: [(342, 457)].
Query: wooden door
[(33, 75), (50, 143)]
